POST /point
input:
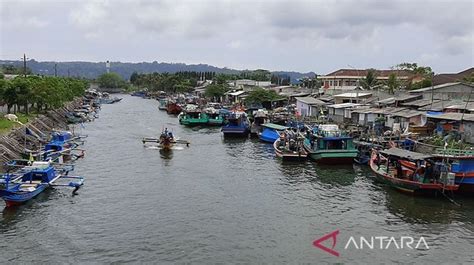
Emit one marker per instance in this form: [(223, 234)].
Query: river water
[(220, 201)]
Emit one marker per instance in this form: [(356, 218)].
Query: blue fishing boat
[(364, 151), (237, 125), (271, 132), (32, 180)]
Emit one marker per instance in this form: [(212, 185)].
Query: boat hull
[(406, 185), (302, 155), (332, 157), (235, 132), (13, 198)]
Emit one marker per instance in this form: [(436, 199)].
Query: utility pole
[(24, 64), (55, 70)]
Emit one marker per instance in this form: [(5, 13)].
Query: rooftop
[(438, 87), (353, 95), (453, 116), (363, 73), (310, 101), (343, 105), (407, 113)]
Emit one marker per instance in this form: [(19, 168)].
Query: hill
[(92, 70)]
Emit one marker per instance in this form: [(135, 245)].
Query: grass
[(6, 125)]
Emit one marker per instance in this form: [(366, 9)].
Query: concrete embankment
[(13, 144)]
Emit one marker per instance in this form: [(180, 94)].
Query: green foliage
[(261, 95), (423, 83), (392, 83), (215, 91), (370, 79), (111, 80), (12, 70), (469, 78), (42, 92), (257, 75)]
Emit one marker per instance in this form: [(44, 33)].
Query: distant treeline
[(92, 70)]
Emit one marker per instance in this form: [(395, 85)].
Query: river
[(220, 201)]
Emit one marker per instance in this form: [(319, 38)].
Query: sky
[(308, 35)]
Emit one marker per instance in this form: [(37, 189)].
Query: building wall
[(468, 128), (303, 108)]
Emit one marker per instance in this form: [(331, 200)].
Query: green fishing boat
[(193, 118), (326, 144), (215, 118)]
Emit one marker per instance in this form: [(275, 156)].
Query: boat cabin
[(41, 171)]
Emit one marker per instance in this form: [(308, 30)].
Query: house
[(309, 106), (349, 79), (461, 122), (340, 112), (235, 96), (447, 91), (352, 97), (247, 83), (367, 116), (419, 103), (405, 119), (440, 79)]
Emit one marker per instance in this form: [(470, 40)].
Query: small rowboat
[(31, 181), (291, 150), (404, 178), (166, 141)]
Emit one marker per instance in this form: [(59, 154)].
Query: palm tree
[(370, 79)]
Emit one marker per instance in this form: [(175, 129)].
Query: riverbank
[(13, 141)]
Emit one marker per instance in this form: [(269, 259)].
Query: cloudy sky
[(308, 35)]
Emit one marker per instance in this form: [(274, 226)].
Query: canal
[(220, 201)]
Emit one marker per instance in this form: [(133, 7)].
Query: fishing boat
[(271, 132), (237, 125), (461, 163), (428, 177), (260, 117), (215, 118), (364, 151), (19, 188), (326, 144), (166, 141), (173, 108), (193, 118), (289, 147), (162, 104)]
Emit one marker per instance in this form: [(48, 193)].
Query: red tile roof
[(449, 78), (363, 72)]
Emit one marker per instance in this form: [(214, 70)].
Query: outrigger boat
[(392, 166), (166, 141), (289, 147), (32, 180)]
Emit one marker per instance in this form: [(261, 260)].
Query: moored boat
[(19, 188), (259, 117), (271, 132), (173, 108), (237, 125), (162, 103), (215, 118), (427, 177), (289, 147), (327, 144), (193, 118)]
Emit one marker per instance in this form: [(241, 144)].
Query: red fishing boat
[(173, 108), (391, 166)]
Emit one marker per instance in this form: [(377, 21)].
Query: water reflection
[(343, 175)]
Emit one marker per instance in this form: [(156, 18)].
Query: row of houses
[(418, 111)]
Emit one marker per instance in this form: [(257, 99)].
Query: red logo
[(317, 243)]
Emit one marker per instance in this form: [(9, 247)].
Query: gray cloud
[(262, 33)]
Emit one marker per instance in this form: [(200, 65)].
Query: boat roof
[(275, 126), (402, 153)]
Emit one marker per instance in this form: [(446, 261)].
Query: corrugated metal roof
[(310, 101), (453, 116)]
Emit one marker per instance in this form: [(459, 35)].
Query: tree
[(261, 95), (392, 83), (111, 80), (215, 91), (134, 78), (370, 79)]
